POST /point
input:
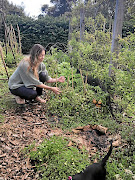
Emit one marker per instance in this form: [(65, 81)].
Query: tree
[(105, 7), (118, 23), (9, 8), (59, 8), (43, 30), (45, 8), (82, 25), (117, 28)]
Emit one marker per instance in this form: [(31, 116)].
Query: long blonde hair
[(33, 58)]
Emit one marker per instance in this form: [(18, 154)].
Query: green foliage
[(5, 97), (117, 166), (125, 76), (92, 57), (1, 119), (59, 161), (59, 8), (74, 107), (12, 60), (9, 8), (43, 30), (25, 151)]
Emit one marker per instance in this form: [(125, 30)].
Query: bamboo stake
[(14, 40), (5, 30), (82, 79), (2, 57), (56, 79), (72, 80), (5, 79), (86, 78), (11, 44), (68, 82), (20, 46)]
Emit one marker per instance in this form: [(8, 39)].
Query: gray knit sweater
[(23, 77)]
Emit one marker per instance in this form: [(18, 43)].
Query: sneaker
[(19, 100)]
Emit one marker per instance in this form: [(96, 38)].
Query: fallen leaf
[(28, 166), (100, 128), (70, 143), (116, 143), (80, 146), (76, 131), (79, 128), (128, 171), (3, 155)]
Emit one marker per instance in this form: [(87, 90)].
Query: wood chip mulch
[(20, 129)]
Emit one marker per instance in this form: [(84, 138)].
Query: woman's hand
[(56, 90), (61, 79)]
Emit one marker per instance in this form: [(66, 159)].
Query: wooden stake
[(4, 79), (20, 46), (56, 79), (82, 77), (72, 80), (2, 57), (68, 82), (86, 80)]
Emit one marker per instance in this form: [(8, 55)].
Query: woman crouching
[(27, 82)]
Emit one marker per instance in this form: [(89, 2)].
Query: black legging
[(29, 93)]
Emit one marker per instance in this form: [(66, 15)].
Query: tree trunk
[(82, 23), (118, 23), (70, 30), (117, 28)]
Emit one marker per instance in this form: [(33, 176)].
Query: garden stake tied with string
[(2, 57)]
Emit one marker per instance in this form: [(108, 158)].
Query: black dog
[(95, 171)]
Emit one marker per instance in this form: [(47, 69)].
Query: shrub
[(60, 160)]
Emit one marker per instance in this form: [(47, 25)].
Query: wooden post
[(20, 45), (68, 82), (86, 80), (72, 80), (82, 77), (2, 57), (56, 79), (5, 29), (82, 81)]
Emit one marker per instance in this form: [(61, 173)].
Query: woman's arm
[(60, 79), (56, 90)]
